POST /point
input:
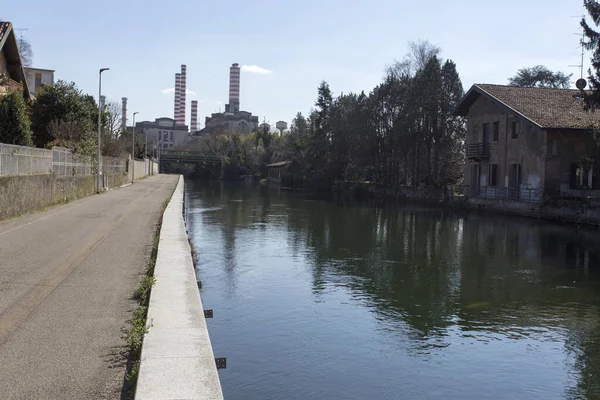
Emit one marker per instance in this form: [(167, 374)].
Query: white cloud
[(255, 69), (172, 90)]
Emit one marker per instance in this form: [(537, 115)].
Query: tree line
[(403, 132), (61, 115)]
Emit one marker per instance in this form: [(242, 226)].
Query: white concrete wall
[(47, 78), (140, 169), (177, 358), (144, 168)]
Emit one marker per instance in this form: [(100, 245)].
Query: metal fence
[(21, 160), (526, 195), (68, 164), (112, 165)]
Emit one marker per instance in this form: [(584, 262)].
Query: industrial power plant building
[(173, 132), (164, 132), (232, 120)]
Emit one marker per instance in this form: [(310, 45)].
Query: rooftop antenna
[(21, 32), (581, 83)]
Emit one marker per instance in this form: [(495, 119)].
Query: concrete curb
[(177, 359)]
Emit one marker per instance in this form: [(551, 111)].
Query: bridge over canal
[(189, 156), (176, 160)]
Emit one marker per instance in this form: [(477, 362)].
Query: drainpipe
[(506, 156)]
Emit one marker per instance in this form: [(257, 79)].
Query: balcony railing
[(525, 195), (478, 150)]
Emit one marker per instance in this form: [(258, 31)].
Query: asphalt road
[(66, 280)]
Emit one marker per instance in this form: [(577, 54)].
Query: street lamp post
[(146, 149), (154, 157), (133, 149), (99, 126)]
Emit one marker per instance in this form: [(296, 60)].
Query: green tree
[(320, 141), (14, 122), (593, 44), (63, 102), (450, 161), (540, 76), (402, 133), (294, 147)]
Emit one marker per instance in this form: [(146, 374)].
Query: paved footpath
[(66, 280)]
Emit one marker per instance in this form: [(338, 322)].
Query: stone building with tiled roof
[(524, 143), (12, 74)]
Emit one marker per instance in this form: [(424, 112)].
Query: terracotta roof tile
[(3, 29), (547, 107)]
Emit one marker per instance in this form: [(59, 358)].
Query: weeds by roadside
[(142, 293), (137, 326)]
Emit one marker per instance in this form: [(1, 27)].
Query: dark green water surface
[(317, 299)]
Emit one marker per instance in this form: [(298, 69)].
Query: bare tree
[(419, 53), (67, 130), (26, 51), (113, 112)]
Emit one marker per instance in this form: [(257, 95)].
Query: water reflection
[(481, 303)]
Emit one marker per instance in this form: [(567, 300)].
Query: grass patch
[(133, 334), (142, 293), (137, 326)]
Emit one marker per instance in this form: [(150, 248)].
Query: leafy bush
[(15, 126)]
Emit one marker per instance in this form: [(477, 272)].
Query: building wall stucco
[(528, 149), (163, 132), (2, 63), (47, 78), (564, 148)]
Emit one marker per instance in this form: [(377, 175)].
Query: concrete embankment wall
[(575, 211), (144, 168), (177, 359), (22, 194), (583, 211)]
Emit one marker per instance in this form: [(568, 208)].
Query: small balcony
[(478, 151)]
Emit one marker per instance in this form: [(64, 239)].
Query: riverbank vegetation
[(61, 115), (403, 132), (137, 326)]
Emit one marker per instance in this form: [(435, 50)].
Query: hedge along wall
[(23, 194)]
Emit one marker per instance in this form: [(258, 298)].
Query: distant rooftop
[(38, 69), (546, 107)]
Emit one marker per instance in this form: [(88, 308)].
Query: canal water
[(317, 299)]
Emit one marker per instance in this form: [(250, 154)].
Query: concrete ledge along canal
[(177, 359)]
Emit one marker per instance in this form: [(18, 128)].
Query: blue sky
[(345, 42)]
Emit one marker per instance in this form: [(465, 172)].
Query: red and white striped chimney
[(124, 114), (234, 88), (194, 120), (177, 97), (182, 103)]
